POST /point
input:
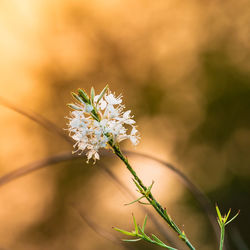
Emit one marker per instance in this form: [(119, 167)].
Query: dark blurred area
[(183, 68)]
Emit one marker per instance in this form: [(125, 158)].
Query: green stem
[(162, 212), (222, 234)]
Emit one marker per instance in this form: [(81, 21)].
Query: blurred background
[(183, 68)]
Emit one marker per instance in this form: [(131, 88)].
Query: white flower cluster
[(98, 120)]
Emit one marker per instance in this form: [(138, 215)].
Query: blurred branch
[(99, 230), (47, 124), (31, 167)]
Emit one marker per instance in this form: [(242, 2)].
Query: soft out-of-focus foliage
[(183, 68)]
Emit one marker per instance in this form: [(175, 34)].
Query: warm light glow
[(182, 67)]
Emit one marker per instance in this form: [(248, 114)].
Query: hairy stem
[(162, 212)]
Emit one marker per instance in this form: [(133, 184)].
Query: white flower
[(99, 121)]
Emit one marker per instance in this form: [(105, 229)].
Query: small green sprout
[(144, 194), (139, 233), (223, 221)]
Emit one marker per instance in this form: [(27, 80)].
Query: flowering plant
[(99, 121)]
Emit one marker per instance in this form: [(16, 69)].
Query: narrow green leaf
[(77, 97), (157, 239), (95, 117), (233, 218), (92, 94), (219, 222), (171, 248), (144, 223), (134, 201), (124, 232), (226, 217), (132, 240), (73, 106), (135, 224), (149, 188), (218, 213), (83, 95), (143, 234), (102, 93), (162, 243), (144, 203), (138, 186)]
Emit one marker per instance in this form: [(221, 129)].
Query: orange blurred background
[(183, 68)]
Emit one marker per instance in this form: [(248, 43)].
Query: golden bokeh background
[(183, 68)]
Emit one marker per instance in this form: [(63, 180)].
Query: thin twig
[(200, 196), (146, 192), (154, 219)]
